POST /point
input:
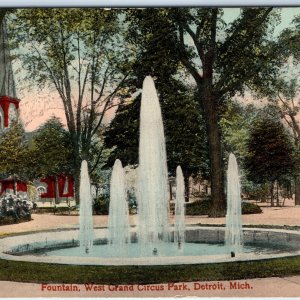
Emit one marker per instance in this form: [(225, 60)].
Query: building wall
[(65, 188)]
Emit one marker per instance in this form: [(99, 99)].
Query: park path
[(287, 215)]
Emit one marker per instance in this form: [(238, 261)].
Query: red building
[(12, 186), (9, 110), (63, 191), (47, 189)]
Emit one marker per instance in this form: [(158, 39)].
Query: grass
[(54, 273)]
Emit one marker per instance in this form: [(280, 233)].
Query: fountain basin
[(37, 247)]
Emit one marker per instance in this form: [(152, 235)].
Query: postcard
[(149, 152)]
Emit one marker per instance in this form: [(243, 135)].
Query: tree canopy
[(50, 150), (96, 59), (13, 152), (222, 59), (78, 52), (270, 152)]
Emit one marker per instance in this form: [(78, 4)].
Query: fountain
[(118, 225), (233, 232), (86, 233), (179, 228), (152, 196), (152, 233)]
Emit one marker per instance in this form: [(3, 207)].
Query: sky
[(37, 106)]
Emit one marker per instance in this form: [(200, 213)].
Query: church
[(48, 190)]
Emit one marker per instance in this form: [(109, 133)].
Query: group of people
[(15, 206)]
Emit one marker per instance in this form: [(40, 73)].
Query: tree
[(283, 96), (122, 135), (13, 152), (270, 153), (221, 59), (77, 52), (235, 123), (4, 12), (150, 37), (185, 140), (283, 91), (50, 152)]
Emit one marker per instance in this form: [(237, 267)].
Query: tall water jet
[(233, 231), (118, 224), (179, 228), (152, 191), (86, 233)]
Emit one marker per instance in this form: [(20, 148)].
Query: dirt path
[(288, 215)]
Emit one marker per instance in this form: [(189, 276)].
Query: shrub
[(57, 210), (101, 205), (8, 220), (201, 207), (250, 208), (198, 208)]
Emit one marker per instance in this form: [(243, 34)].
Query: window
[(41, 190)]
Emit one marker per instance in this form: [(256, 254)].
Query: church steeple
[(7, 83), (9, 104)]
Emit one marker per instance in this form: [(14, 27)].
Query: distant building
[(47, 190)]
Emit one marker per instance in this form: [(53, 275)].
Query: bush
[(101, 205), (10, 221), (56, 210), (198, 208), (201, 207), (250, 208)]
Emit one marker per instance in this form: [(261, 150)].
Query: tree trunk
[(217, 175), (209, 101), (56, 190), (272, 193), (76, 166), (277, 193), (215, 154), (186, 177), (297, 190), (77, 185), (15, 186), (187, 188), (170, 191)]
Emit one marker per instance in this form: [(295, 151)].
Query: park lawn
[(56, 273)]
